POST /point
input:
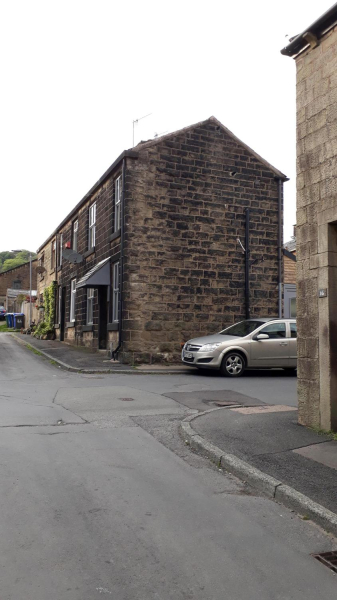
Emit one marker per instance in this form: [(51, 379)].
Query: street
[(100, 496)]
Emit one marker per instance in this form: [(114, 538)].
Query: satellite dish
[(40, 269), (73, 257)]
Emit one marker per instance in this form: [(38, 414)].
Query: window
[(59, 305), (92, 226), (53, 254), (42, 269), (275, 331), (242, 329), (72, 299), (293, 330), (118, 199), (115, 293), (75, 235), (16, 284), (60, 250), (90, 306), (292, 307)]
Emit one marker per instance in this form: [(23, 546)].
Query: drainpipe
[(279, 246), (121, 269), (247, 256)]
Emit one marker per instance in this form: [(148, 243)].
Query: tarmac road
[(100, 497)]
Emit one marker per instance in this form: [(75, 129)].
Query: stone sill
[(113, 326), (115, 235), (88, 327), (89, 252), (57, 326), (71, 324)]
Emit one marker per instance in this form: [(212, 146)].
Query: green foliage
[(10, 260), (49, 300)]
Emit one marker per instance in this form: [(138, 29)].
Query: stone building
[(315, 53), (160, 241), (17, 278)]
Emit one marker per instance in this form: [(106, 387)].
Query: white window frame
[(92, 226), (115, 293), (72, 299), (118, 202), (75, 235), (90, 305), (60, 249), (53, 254), (60, 305)]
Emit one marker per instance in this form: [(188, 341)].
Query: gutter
[(279, 246), (311, 35)]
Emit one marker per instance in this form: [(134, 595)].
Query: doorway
[(103, 317)]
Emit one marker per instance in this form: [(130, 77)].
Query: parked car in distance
[(252, 344), (2, 313)]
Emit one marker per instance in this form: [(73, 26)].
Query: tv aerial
[(135, 122)]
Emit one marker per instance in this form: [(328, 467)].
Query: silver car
[(251, 344)]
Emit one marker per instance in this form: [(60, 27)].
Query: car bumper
[(202, 360)]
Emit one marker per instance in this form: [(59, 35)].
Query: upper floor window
[(60, 249), (72, 299), (17, 284), (53, 254), (92, 226), (118, 200), (75, 235)]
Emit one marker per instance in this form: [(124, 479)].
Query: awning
[(98, 275)]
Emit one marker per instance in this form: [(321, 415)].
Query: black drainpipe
[(247, 254), (279, 246), (121, 269)]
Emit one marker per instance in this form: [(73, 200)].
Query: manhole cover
[(224, 403), (126, 399), (329, 559)]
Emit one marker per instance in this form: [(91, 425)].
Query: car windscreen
[(242, 329)]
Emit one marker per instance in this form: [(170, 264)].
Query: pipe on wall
[(279, 246), (121, 269)]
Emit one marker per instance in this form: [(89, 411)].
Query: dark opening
[(63, 313), (103, 317)]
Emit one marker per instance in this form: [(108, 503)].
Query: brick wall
[(316, 232), (289, 269), (17, 278), (185, 208)]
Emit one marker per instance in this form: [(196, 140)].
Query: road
[(100, 497)]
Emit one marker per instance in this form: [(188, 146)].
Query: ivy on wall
[(49, 301)]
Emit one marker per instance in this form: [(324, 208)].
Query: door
[(62, 312), (289, 301), (271, 352), (103, 317)]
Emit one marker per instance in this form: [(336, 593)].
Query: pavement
[(83, 360), (263, 444), (100, 497)]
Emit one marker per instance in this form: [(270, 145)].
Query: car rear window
[(242, 329)]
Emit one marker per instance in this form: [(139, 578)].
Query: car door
[(293, 344), (273, 351)]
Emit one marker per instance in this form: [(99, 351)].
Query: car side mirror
[(261, 336)]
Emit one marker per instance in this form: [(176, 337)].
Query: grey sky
[(75, 74)]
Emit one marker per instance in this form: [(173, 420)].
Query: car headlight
[(209, 347)]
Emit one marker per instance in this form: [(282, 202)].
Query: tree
[(10, 260)]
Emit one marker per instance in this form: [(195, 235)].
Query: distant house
[(17, 279), (154, 254), (289, 277)]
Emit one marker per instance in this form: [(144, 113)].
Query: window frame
[(74, 235), (59, 304), (92, 226), (72, 300), (90, 306), (118, 203), (60, 249), (115, 292), (281, 323), (53, 254)]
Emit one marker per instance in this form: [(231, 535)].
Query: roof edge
[(212, 119), (318, 28), (18, 267), (125, 154)]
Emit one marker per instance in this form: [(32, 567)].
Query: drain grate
[(126, 399), (224, 403), (329, 559)]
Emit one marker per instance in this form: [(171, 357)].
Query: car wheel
[(233, 364)]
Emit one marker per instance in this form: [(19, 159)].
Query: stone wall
[(316, 233), (289, 269), (17, 278), (186, 197)]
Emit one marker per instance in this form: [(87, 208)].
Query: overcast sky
[(74, 75)]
